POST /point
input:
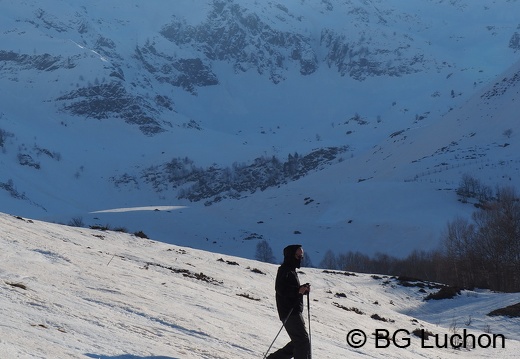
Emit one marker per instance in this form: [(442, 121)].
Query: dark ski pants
[(299, 346)]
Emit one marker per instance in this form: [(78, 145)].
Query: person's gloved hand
[(305, 289)]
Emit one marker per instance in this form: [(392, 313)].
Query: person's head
[(293, 255)]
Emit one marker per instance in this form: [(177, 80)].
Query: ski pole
[(309, 312), (283, 325)]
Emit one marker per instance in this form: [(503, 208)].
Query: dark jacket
[(287, 285)]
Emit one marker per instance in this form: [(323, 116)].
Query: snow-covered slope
[(67, 292), (103, 101)]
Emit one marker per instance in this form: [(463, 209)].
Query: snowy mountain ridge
[(206, 105)]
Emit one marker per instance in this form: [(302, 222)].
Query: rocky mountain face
[(214, 183), (234, 34), (231, 32), (203, 102)]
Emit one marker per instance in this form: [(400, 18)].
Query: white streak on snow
[(133, 209)]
